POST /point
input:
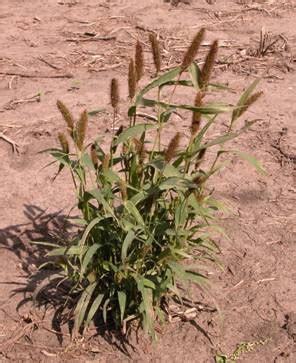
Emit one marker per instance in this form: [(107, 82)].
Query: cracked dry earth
[(70, 50)]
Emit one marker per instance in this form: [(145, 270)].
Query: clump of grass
[(144, 207)]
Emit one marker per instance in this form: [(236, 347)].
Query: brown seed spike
[(172, 147), (198, 180), (209, 65), (119, 131), (114, 93), (140, 149), (139, 61), (106, 162), (132, 80), (66, 115), (155, 51), (64, 142), (200, 158), (191, 52), (137, 143), (81, 129), (196, 116), (123, 189), (94, 156), (252, 99)]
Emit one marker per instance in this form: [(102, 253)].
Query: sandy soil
[(48, 52)]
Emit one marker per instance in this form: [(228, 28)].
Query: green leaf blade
[(122, 303)]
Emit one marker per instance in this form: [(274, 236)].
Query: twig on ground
[(19, 333), (221, 21), (146, 115), (266, 280), (11, 126), (238, 284), (145, 29), (91, 39), (19, 65), (284, 155), (259, 8), (222, 43), (39, 347), (14, 145), (10, 82), (287, 156), (32, 75), (118, 29), (49, 64), (10, 105), (273, 242), (113, 66)]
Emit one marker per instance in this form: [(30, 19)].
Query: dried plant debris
[(177, 2), (269, 43), (268, 56)]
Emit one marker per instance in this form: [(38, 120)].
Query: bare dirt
[(70, 50)]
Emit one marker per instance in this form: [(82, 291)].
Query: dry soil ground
[(49, 52)]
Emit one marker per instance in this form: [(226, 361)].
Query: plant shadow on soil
[(53, 228)]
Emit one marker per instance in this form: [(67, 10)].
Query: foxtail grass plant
[(145, 207)]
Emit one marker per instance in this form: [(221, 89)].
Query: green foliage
[(145, 208)]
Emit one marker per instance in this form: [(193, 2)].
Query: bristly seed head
[(94, 156), (196, 116), (198, 180), (81, 129), (106, 162), (64, 142), (191, 52), (252, 99), (140, 149), (132, 83), (200, 158), (119, 131), (155, 51), (114, 93), (139, 61), (208, 66), (66, 115), (123, 189), (137, 144), (172, 149)]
